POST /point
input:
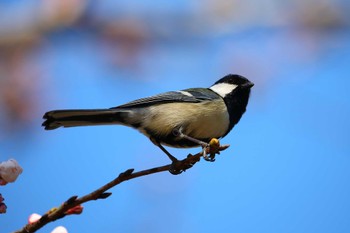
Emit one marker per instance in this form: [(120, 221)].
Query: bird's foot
[(179, 166), (209, 149), (213, 148)]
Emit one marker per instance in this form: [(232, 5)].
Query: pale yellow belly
[(198, 120)]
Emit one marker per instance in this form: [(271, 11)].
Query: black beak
[(248, 85)]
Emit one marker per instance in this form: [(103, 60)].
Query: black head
[(235, 91), (235, 79), (231, 84)]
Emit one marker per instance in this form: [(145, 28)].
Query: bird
[(198, 114)]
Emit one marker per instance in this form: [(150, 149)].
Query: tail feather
[(71, 118)]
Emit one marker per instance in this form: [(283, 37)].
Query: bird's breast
[(203, 120)]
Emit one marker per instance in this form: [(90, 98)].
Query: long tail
[(71, 118)]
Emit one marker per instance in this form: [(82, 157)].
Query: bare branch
[(73, 204)]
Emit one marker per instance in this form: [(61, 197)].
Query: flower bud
[(9, 171)]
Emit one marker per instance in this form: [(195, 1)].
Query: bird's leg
[(178, 133), (177, 166), (205, 146), (175, 162), (171, 157)]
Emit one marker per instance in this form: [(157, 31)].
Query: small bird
[(198, 113)]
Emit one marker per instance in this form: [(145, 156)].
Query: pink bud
[(59, 229), (75, 210), (9, 171), (33, 218), (3, 208)]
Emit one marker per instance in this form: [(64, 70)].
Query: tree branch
[(72, 205)]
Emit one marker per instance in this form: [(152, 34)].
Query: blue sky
[(287, 169)]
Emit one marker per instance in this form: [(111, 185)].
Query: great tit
[(199, 113)]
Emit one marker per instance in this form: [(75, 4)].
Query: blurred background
[(287, 169)]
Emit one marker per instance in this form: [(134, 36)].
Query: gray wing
[(193, 95)]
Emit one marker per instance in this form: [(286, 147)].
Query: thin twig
[(68, 207), (100, 193)]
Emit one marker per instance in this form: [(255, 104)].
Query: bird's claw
[(209, 152), (210, 157), (213, 148), (179, 166)]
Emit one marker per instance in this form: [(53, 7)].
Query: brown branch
[(70, 206)]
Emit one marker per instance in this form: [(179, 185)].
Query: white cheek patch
[(186, 93), (223, 89)]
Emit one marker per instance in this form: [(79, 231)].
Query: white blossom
[(10, 170)]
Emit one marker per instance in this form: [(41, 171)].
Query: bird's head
[(232, 83), (235, 91)]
